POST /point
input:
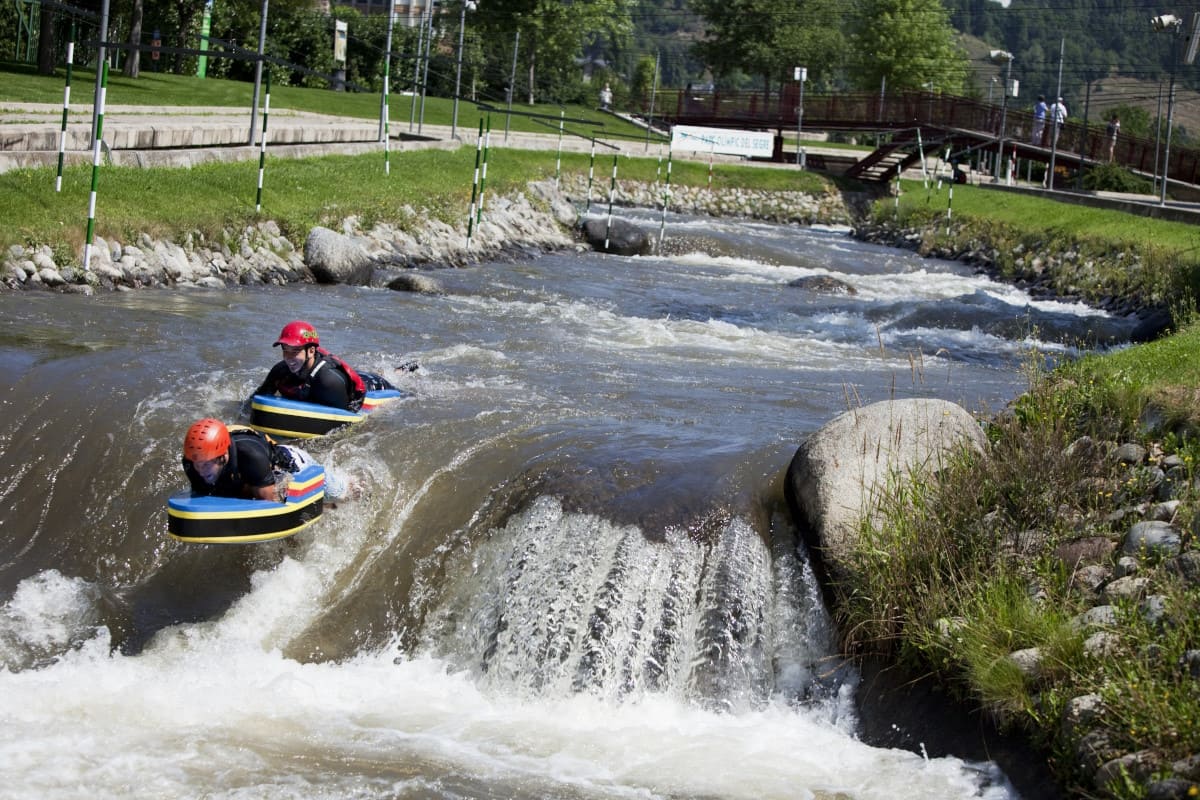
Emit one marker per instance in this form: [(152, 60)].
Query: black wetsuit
[(252, 464), (326, 384)]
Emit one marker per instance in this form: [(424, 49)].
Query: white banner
[(722, 140)]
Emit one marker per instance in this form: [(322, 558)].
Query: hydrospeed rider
[(243, 463), (313, 375)]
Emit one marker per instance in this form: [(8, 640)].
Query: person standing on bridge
[(1059, 113), (1114, 128), (1039, 122)]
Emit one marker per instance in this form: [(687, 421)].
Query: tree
[(910, 43), (133, 61), (553, 34), (769, 39)]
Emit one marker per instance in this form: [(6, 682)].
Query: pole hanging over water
[(612, 190), (662, 226), (487, 143), (262, 145), (91, 222), (591, 172), (562, 115), (62, 138), (474, 184)]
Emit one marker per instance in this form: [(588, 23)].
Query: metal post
[(1004, 114), (801, 157), (387, 70), (1062, 52), (512, 83), (653, 96), (462, 27), (416, 84), (101, 59), (425, 72), (258, 68), (1166, 170)]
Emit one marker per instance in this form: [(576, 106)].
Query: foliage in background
[(908, 43), (1115, 178)]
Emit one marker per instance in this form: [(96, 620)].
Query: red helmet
[(206, 440), (297, 333)]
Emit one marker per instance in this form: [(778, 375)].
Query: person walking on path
[(1059, 114), (1039, 121)]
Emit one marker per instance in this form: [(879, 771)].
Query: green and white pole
[(475, 184), (712, 149), (91, 223), (612, 190), (62, 138), (387, 155), (487, 144), (262, 145), (562, 114), (662, 225), (949, 205), (591, 173)]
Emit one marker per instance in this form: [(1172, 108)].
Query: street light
[(1173, 25), (1006, 58), (462, 24)]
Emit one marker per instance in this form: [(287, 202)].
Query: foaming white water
[(211, 710)]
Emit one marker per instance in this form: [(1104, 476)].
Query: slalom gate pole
[(658, 167), (474, 184), (712, 147), (662, 226), (949, 205), (62, 138), (921, 155), (387, 155), (262, 145), (591, 172), (562, 114), (612, 190), (487, 143), (91, 223)]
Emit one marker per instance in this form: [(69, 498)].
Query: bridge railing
[(860, 111)]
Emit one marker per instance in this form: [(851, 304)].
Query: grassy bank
[(1073, 250), (984, 574), (299, 193)]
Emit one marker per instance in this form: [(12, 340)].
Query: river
[(570, 572)]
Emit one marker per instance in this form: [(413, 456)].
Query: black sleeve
[(254, 463), (270, 383), (330, 388)]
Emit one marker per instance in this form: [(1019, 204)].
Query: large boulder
[(621, 237), (336, 258), (837, 477)]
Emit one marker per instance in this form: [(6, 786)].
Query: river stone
[(1080, 712), (409, 282), (825, 284), (1153, 538), (623, 238), (836, 477), (336, 258), (1096, 616)]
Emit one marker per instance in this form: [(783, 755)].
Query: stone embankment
[(540, 219)]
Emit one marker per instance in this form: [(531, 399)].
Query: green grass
[(1039, 215), (300, 193), (960, 572), (19, 83)]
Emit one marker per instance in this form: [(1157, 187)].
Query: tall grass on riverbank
[(1076, 250), (299, 193), (976, 568)]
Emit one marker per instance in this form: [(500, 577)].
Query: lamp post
[(1173, 25), (802, 77), (462, 24), (1006, 58)]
